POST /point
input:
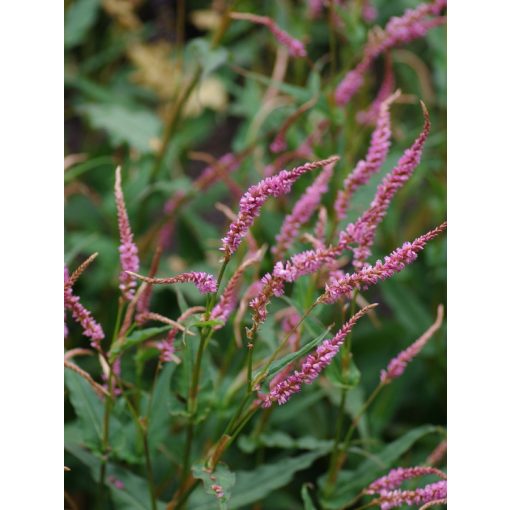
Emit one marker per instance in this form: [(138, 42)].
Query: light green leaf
[(136, 127), (79, 18)]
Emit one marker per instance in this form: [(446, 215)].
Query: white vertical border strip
[(478, 254), (31, 219)]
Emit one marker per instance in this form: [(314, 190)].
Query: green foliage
[(129, 69)]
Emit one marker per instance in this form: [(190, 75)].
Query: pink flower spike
[(396, 477), (80, 314), (376, 155), (363, 230), (320, 227), (225, 165), (351, 83), (370, 275), (204, 282), (302, 212), (167, 349), (271, 286), (437, 454), (432, 492), (315, 8), (369, 11), (371, 115), (278, 144), (312, 365), (254, 198), (413, 24), (128, 251), (296, 48), (398, 364)]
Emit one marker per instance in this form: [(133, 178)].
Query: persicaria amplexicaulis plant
[(237, 323)]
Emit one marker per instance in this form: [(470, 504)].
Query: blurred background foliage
[(127, 64)]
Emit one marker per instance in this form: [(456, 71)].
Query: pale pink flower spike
[(129, 260)]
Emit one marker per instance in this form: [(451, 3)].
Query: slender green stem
[(338, 433), (192, 405), (120, 311), (339, 456), (106, 432), (108, 404), (205, 335), (150, 476), (249, 364)]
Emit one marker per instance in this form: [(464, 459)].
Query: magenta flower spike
[(225, 165), (311, 366), (271, 286), (80, 314), (371, 114), (397, 365), (396, 477), (376, 156), (370, 275), (351, 83), (254, 198), (369, 11), (204, 282), (302, 212), (315, 8), (167, 349), (413, 24), (320, 228), (363, 230), (433, 492), (295, 47), (129, 260)]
